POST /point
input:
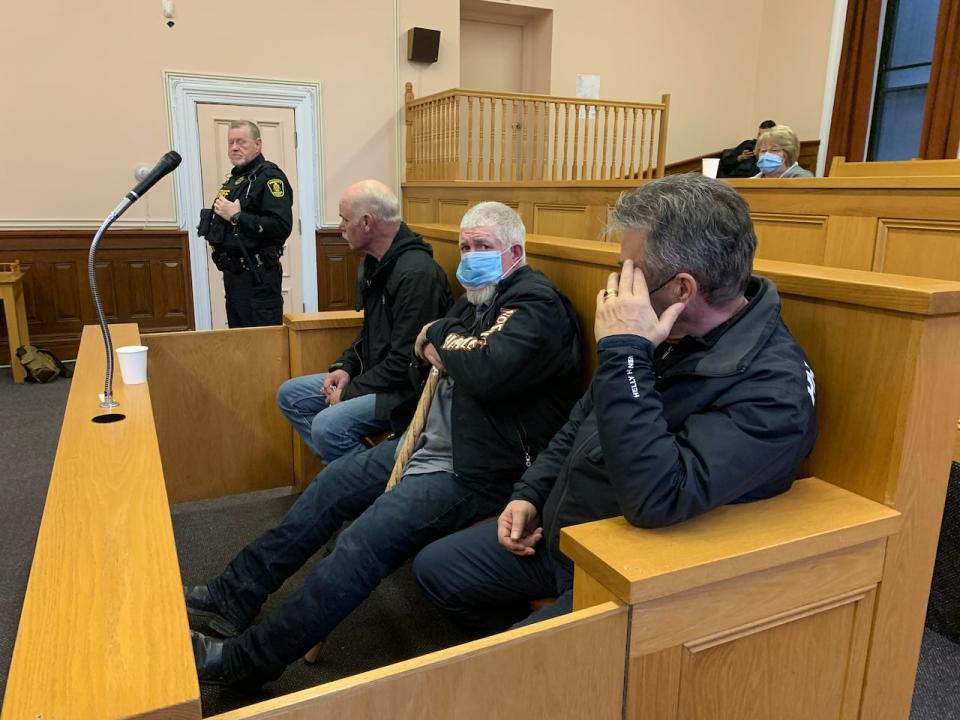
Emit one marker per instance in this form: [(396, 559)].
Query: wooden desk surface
[(103, 632)]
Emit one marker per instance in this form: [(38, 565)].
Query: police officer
[(254, 208)]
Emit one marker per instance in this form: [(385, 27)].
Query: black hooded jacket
[(661, 437), (399, 294), (516, 372)]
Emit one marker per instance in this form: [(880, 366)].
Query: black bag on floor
[(42, 366)]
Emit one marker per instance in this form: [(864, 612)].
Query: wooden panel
[(565, 668), (717, 607), (562, 221), (789, 670), (450, 212), (337, 267), (216, 390), (419, 209), (587, 592), (316, 341), (653, 686), (917, 247), (144, 276), (793, 238), (103, 633), (850, 242)]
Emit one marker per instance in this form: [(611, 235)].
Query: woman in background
[(777, 150)]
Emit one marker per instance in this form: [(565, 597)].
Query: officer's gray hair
[(693, 224), (375, 199), (251, 126), (510, 229)]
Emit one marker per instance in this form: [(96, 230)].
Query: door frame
[(184, 93)]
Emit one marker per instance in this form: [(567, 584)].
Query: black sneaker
[(208, 657), (203, 614)]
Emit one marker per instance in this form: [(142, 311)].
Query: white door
[(279, 146)]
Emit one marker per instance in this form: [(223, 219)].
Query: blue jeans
[(475, 579), (389, 528), (329, 431)]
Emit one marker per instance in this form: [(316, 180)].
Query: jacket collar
[(729, 348), (253, 165)]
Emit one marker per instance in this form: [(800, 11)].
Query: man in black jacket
[(399, 288), (510, 351), (741, 161), (701, 398), (254, 209)]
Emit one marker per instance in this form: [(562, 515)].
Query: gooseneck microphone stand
[(166, 165)]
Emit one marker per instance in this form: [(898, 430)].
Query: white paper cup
[(133, 364), (710, 167)]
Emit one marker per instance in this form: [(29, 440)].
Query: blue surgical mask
[(480, 268), (769, 161)]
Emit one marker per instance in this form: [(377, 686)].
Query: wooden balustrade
[(511, 137)]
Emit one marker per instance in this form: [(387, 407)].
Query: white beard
[(481, 295)]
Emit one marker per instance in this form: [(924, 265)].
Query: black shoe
[(208, 656), (204, 615)]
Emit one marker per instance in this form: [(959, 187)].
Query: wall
[(794, 44), (87, 104)]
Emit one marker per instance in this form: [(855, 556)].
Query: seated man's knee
[(330, 436)]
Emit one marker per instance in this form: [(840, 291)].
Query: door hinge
[(299, 228), (296, 141)]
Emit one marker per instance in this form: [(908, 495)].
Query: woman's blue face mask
[(480, 268), (768, 161)]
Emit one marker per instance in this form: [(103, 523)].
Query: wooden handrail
[(462, 135)]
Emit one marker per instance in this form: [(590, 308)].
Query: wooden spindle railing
[(502, 137)]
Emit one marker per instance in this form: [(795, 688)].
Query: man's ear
[(516, 252), (687, 288)]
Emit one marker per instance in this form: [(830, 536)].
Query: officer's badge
[(238, 180), (223, 192), (276, 187)]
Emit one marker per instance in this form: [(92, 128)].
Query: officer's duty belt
[(227, 262)]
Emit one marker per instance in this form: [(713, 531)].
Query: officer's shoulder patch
[(276, 187)]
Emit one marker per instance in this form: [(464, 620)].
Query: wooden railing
[(509, 137)]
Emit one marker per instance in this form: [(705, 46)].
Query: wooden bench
[(897, 168), (810, 604)]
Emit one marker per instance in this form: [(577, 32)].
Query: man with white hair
[(509, 352), (400, 287)]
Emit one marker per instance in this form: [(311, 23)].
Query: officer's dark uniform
[(252, 279)]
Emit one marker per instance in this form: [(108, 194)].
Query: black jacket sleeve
[(750, 435), (728, 158), (269, 221), (535, 484), (349, 361), (414, 304), (530, 333)]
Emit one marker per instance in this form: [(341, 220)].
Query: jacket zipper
[(523, 444)]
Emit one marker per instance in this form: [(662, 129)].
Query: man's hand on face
[(624, 308), (226, 209), (517, 527), (333, 385)]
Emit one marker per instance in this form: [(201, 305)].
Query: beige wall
[(794, 43), (87, 103)]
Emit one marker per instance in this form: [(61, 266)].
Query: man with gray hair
[(400, 287), (252, 218), (509, 354), (701, 398)]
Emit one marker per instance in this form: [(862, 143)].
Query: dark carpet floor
[(395, 623)]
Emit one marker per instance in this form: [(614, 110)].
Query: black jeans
[(389, 528), (478, 581), (251, 303)]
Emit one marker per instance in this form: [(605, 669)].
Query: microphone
[(166, 165)]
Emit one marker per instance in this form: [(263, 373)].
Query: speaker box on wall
[(423, 45)]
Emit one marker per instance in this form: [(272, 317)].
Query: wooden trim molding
[(941, 116), (854, 95), (143, 274)]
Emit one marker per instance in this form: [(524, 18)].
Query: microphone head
[(171, 160)]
